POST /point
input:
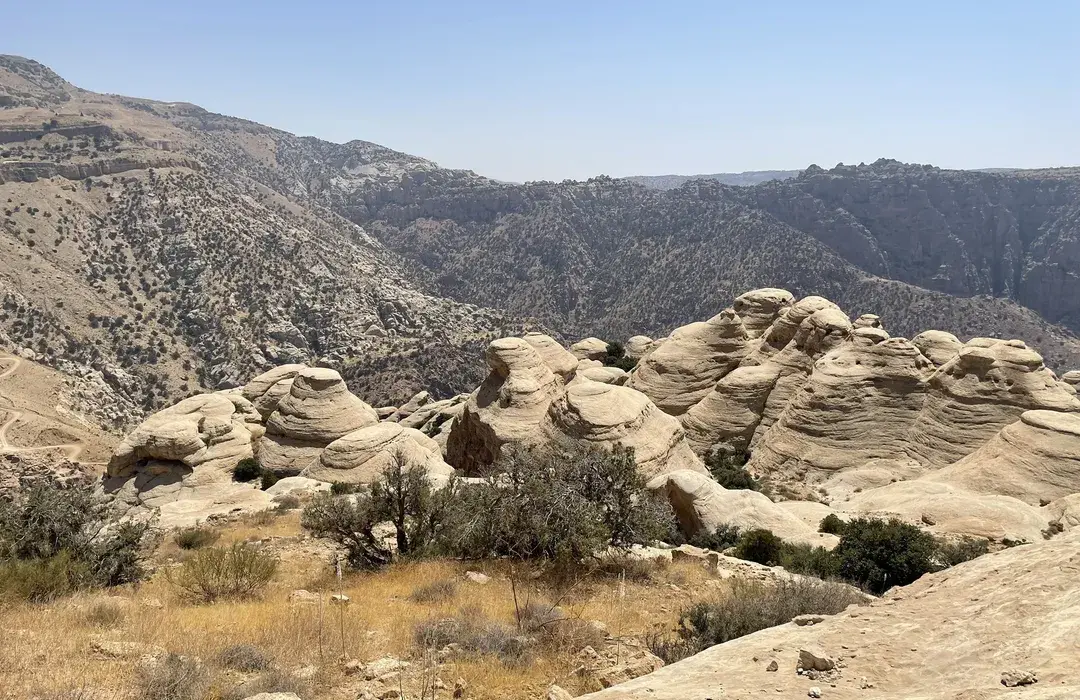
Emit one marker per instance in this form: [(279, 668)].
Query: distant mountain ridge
[(748, 178)]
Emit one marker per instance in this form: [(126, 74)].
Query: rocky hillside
[(750, 177), (168, 249)]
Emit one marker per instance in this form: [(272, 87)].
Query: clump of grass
[(105, 614), (474, 634), (435, 592), (270, 681), (237, 572), (245, 658), (195, 537), (751, 607), (174, 677), (286, 503)]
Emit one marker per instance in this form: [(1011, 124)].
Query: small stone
[(353, 667), (806, 620), (339, 599), (460, 686), (1015, 678), (814, 692), (554, 692), (477, 577), (815, 659), (773, 666), (302, 596)]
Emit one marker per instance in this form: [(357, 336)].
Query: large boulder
[(360, 457), (200, 431), (317, 410), (977, 393), (950, 510), (938, 346), (177, 465), (267, 389), (420, 399), (603, 415), (684, 369), (1035, 459), (702, 505), (639, 346), (589, 349), (758, 308), (858, 404), (506, 407), (558, 359)]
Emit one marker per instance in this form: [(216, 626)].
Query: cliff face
[(1012, 235)]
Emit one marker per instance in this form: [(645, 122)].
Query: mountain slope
[(750, 177), (172, 249)]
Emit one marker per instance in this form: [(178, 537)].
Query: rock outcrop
[(589, 349), (938, 346), (558, 359), (507, 407), (1035, 459), (269, 388), (361, 457), (702, 505), (971, 397), (317, 410), (603, 415), (639, 346), (858, 404), (684, 369), (1014, 608)]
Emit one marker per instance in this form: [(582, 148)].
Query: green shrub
[(809, 561), (195, 537), (831, 524), (750, 607), (350, 522), (952, 553), (267, 479), (880, 554), (59, 538), (341, 488), (729, 470), (761, 546), (723, 537), (616, 357), (560, 503), (237, 572), (247, 469)]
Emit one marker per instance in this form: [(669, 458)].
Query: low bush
[(286, 503), (616, 357), (195, 537), (267, 479), (879, 554), (174, 677), (247, 469), (831, 524), (57, 538), (245, 658), (729, 470), (951, 553), (751, 607), (474, 634), (341, 488), (760, 546), (435, 592), (272, 681), (237, 572), (718, 540), (809, 561)]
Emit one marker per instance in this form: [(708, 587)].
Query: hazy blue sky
[(550, 90)]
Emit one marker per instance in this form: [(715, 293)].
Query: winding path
[(73, 449)]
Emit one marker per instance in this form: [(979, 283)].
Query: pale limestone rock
[(419, 399), (938, 346), (639, 346), (977, 393), (758, 308), (598, 372), (702, 505), (1035, 459), (867, 321), (1064, 513), (683, 370), (200, 431), (360, 457), (732, 411), (558, 359), (602, 415), (296, 485), (507, 407), (1072, 377), (318, 410), (950, 510), (858, 404), (1012, 608), (267, 389), (589, 349)]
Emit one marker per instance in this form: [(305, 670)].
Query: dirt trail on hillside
[(12, 415)]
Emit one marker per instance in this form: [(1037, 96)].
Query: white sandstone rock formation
[(361, 457)]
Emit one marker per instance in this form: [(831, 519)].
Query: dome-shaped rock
[(589, 349), (558, 359), (360, 457), (758, 308), (938, 346), (267, 389)]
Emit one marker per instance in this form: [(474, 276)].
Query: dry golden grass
[(47, 649)]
